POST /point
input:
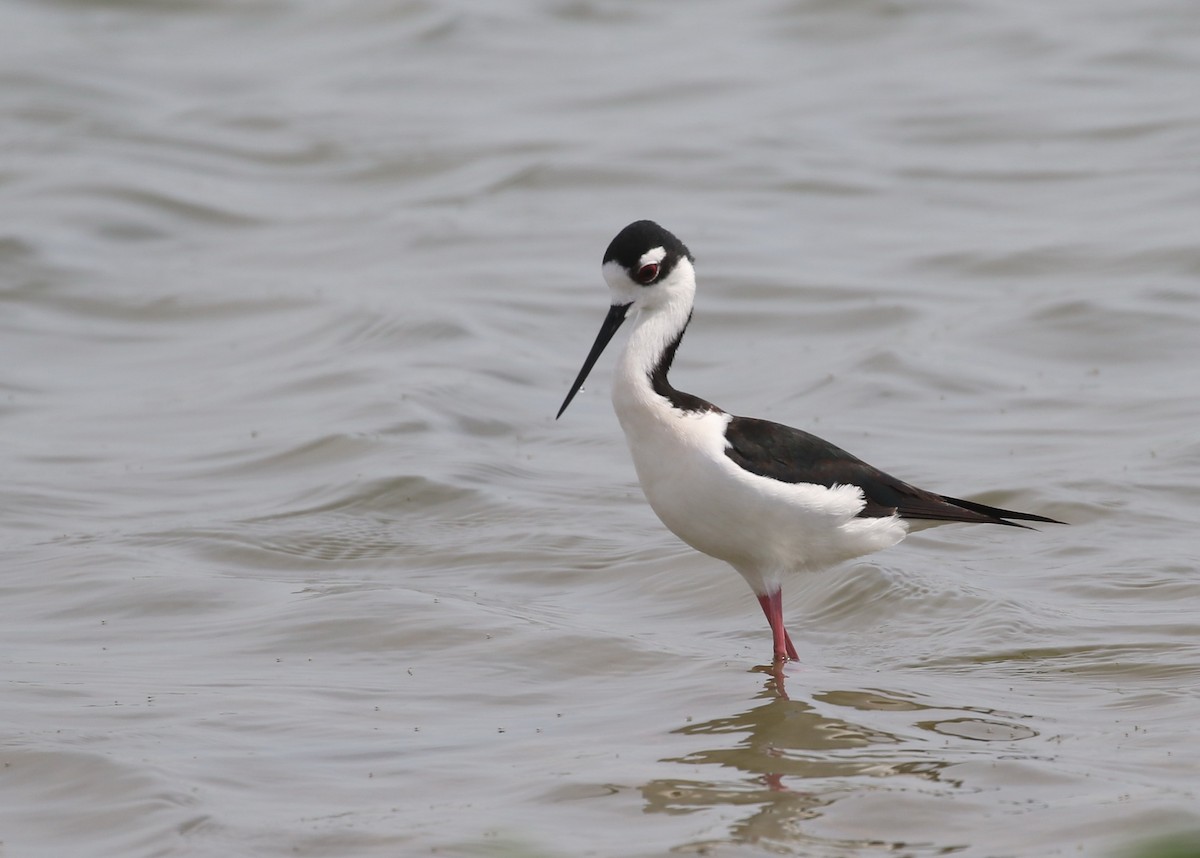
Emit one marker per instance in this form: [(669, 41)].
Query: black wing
[(792, 456)]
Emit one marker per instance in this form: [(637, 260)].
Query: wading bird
[(767, 499)]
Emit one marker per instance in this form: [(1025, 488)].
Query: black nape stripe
[(661, 386)]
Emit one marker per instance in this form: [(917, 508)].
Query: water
[(298, 562)]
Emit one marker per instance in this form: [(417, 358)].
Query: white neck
[(654, 330)]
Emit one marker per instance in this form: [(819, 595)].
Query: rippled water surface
[(297, 560)]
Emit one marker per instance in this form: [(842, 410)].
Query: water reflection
[(789, 761)]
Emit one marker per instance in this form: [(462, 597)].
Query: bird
[(770, 500)]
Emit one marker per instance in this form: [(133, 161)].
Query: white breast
[(762, 527)]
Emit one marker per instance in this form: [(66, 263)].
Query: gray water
[(296, 560)]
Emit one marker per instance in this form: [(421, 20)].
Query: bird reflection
[(786, 744)]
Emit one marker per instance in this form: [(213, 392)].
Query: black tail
[(996, 515)]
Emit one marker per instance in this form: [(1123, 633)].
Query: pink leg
[(772, 605)]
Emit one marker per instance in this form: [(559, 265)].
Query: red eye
[(647, 273)]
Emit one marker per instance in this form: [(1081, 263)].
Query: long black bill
[(616, 315)]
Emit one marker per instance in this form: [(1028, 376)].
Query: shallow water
[(297, 560)]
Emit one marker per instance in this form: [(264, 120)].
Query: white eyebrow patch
[(653, 256)]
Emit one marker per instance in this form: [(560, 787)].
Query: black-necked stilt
[(765, 498)]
